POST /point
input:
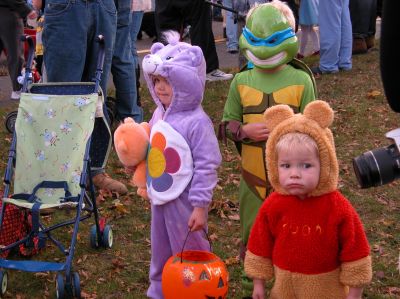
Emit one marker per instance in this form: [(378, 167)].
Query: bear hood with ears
[(184, 67), (315, 120)]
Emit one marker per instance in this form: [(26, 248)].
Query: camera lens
[(377, 167)]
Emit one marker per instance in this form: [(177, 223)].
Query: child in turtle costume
[(269, 43)]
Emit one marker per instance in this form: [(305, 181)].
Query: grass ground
[(362, 118)]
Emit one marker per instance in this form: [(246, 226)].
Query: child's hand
[(198, 219), (130, 170), (256, 131), (258, 289)]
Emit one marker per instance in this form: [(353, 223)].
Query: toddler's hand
[(198, 219), (256, 131)]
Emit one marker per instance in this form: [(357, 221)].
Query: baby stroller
[(49, 162)]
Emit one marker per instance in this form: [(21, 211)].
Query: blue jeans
[(136, 22), (231, 28), (71, 53), (335, 35), (69, 39), (123, 67)]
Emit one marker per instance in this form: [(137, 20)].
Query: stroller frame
[(100, 233)]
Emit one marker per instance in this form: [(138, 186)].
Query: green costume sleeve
[(233, 107), (232, 119), (308, 94)]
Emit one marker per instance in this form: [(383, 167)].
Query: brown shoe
[(370, 41), (359, 46), (103, 181)]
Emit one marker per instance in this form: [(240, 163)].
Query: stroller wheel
[(76, 285), (10, 121), (108, 237), (94, 243), (3, 281), (60, 286)]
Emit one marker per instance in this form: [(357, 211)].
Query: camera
[(379, 166)]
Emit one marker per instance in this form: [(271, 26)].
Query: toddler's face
[(163, 90), (298, 170)]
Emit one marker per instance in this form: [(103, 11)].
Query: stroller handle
[(100, 61), (28, 67)]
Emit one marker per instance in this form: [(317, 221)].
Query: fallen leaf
[(232, 260), (373, 94)]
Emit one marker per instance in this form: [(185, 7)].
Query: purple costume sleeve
[(206, 160)]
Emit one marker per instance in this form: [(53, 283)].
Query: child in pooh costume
[(277, 78), (131, 141), (306, 234)]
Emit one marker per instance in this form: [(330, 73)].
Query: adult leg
[(123, 66), (11, 29), (295, 8), (370, 40), (102, 20), (359, 15), (305, 32), (315, 40), (201, 34), (168, 16), (66, 24), (345, 51), (136, 21), (330, 15), (231, 29)]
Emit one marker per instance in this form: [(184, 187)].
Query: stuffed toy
[(131, 141)]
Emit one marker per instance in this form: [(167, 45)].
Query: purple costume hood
[(184, 67)]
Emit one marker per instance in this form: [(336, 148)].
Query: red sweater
[(309, 236)]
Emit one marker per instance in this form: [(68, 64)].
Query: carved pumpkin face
[(200, 275)]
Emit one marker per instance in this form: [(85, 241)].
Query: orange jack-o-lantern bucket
[(195, 274)]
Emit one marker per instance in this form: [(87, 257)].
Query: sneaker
[(104, 182), (16, 95), (218, 75)]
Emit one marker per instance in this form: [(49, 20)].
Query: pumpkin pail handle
[(187, 236)]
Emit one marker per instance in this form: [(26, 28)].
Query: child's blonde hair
[(281, 6), (295, 139)]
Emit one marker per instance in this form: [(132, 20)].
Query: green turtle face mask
[(268, 40)]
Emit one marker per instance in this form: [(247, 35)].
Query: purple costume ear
[(156, 47), (197, 55)]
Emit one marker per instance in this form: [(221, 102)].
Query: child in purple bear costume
[(183, 136)]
